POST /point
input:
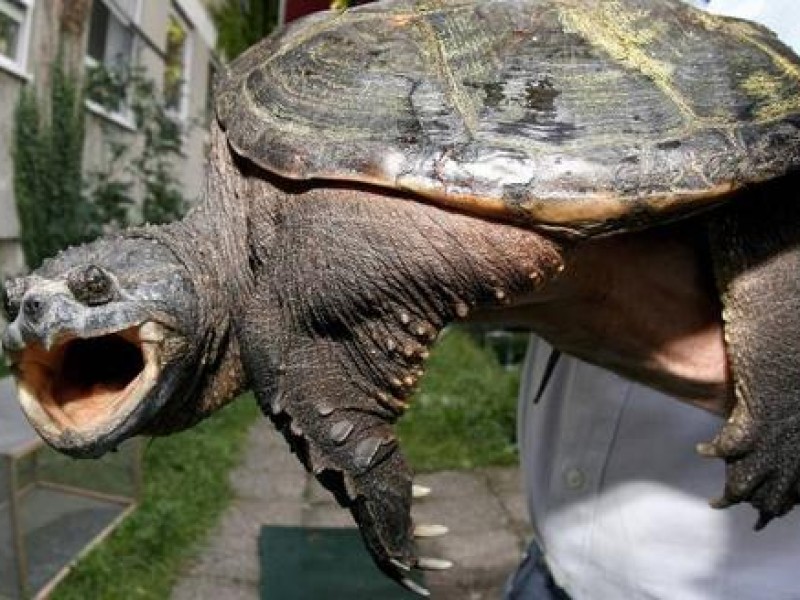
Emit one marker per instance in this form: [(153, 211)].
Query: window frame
[(122, 116), (19, 66)]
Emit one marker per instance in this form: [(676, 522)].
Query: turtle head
[(102, 339)]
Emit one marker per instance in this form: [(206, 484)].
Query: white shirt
[(619, 498)]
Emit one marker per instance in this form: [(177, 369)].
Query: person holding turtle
[(617, 494)]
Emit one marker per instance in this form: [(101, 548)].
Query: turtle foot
[(762, 467), (756, 255), (382, 512)]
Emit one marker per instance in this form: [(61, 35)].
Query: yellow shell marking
[(625, 35), (768, 90), (761, 85), (437, 55)]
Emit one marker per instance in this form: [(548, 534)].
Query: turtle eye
[(11, 292), (91, 286)]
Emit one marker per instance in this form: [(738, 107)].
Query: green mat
[(304, 563)]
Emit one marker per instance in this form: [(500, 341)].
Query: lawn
[(462, 417), (464, 414)]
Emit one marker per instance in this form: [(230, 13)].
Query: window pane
[(110, 41), (175, 64), (119, 44), (98, 29), (111, 50), (9, 36), (128, 7)]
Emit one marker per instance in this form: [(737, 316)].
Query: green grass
[(464, 414), (3, 368), (186, 488)]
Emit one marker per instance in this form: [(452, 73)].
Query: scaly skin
[(324, 299), (757, 259)]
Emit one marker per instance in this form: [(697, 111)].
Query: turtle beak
[(80, 372)]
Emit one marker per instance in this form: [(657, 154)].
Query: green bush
[(48, 157)]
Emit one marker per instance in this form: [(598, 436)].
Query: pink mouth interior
[(79, 383)]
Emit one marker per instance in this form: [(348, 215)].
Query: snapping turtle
[(618, 175)]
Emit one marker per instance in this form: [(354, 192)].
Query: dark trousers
[(532, 580)]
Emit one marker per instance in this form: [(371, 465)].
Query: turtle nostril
[(33, 308)]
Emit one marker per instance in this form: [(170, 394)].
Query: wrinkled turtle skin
[(379, 173)]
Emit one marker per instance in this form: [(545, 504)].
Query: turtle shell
[(588, 115)]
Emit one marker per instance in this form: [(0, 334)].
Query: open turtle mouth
[(87, 386)]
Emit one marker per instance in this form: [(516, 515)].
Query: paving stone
[(315, 493), (202, 588), (482, 563), (268, 485), (463, 503), (506, 484), (233, 552)]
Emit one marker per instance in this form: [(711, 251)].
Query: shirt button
[(575, 478)]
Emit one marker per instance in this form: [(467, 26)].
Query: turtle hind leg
[(756, 253)]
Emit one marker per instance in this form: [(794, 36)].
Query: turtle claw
[(434, 564), (415, 587), (722, 503), (763, 520), (708, 450), (430, 531), (420, 491), (401, 566)]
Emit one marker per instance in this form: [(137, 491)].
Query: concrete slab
[(196, 588), (462, 501)]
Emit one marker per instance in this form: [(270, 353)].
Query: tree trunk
[(63, 26)]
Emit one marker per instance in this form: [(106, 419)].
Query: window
[(14, 32), (176, 66), (110, 38), (109, 54)]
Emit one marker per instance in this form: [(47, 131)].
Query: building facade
[(171, 41)]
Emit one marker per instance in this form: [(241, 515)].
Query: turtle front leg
[(339, 424), (756, 251), (349, 299)]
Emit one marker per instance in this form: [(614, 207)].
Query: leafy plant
[(242, 23), (48, 157), (149, 165), (186, 488), (111, 194), (59, 205)]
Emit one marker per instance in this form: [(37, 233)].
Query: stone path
[(484, 510)]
